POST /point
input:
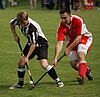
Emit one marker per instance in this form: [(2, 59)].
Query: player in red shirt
[(79, 40)]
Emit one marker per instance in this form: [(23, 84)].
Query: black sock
[(52, 74), (21, 73)]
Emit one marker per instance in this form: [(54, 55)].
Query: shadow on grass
[(41, 84), (4, 87), (73, 82)]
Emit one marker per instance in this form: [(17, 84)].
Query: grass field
[(10, 53)]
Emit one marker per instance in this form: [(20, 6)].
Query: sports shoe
[(16, 86), (89, 75), (60, 84), (80, 80)]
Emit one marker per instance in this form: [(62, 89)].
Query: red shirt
[(75, 28)]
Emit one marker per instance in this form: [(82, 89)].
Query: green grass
[(10, 53)]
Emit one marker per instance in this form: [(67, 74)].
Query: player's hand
[(16, 38), (26, 60), (54, 63), (66, 52), (21, 62)]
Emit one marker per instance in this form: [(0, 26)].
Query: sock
[(52, 72), (82, 69), (87, 69), (57, 80), (86, 7), (21, 73), (92, 6)]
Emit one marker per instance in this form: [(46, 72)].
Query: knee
[(74, 64), (44, 63), (81, 56)]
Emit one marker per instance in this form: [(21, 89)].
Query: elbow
[(79, 37), (33, 44), (11, 26)]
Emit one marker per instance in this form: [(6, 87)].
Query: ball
[(31, 82)]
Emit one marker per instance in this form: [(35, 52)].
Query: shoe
[(80, 80), (60, 84), (16, 86), (89, 75)]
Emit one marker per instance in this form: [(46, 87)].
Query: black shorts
[(41, 52)]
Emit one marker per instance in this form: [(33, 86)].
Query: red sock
[(82, 69), (86, 7)]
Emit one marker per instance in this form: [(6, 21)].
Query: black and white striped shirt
[(32, 32)]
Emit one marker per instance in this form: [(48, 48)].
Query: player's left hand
[(21, 62), (66, 52), (26, 60), (54, 63)]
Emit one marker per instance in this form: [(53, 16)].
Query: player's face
[(66, 18), (23, 23)]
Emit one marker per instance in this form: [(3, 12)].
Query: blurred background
[(76, 5)]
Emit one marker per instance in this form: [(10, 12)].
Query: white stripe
[(21, 69), (21, 79), (82, 62), (33, 37), (29, 38), (48, 68), (14, 22)]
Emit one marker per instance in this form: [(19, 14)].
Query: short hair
[(22, 15), (65, 10)]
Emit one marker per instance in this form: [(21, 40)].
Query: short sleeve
[(61, 32), (14, 21)]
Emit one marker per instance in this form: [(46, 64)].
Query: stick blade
[(31, 87)]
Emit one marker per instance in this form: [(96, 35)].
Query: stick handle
[(20, 45), (41, 78), (60, 58), (29, 73), (26, 63)]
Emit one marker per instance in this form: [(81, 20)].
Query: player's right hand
[(54, 63), (16, 38)]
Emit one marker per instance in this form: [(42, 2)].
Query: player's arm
[(60, 38), (33, 42), (78, 33), (12, 26), (74, 43), (32, 47), (58, 49)]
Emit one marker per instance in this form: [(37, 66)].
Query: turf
[(10, 53)]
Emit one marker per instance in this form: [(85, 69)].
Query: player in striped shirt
[(79, 40), (37, 45)]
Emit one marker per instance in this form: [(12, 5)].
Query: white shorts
[(81, 48)]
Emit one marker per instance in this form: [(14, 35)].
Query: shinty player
[(37, 45), (79, 41)]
